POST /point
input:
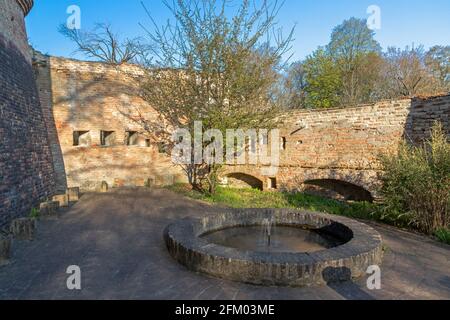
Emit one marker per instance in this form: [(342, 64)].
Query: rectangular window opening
[(250, 144), (264, 139), (283, 143), (162, 147), (81, 138), (272, 183), (132, 138), (108, 138)]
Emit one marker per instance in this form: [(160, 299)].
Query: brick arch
[(360, 178), (352, 184), (347, 190), (360, 184), (244, 179), (250, 170)]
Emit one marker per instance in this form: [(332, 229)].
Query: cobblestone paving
[(116, 239)]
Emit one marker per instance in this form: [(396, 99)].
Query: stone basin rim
[(363, 247)]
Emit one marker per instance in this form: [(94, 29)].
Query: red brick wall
[(339, 144), (94, 97), (344, 144), (26, 171)]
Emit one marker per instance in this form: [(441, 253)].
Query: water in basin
[(273, 239)]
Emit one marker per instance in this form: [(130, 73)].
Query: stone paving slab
[(117, 240)]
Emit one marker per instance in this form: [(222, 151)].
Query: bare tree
[(215, 63), (103, 44), (294, 87), (437, 59), (406, 74)]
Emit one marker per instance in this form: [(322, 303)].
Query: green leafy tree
[(346, 71), (324, 83), (356, 54), (351, 39)]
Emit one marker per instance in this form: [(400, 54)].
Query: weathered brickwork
[(344, 144), (12, 26), (327, 145), (423, 113), (26, 171), (72, 124), (90, 98), (43, 82)]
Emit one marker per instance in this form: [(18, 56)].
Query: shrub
[(443, 235), (416, 183), (34, 213)]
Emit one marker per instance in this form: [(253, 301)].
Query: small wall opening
[(132, 138), (283, 143), (162, 148), (337, 189), (242, 180), (81, 139), (272, 183), (264, 139), (250, 145), (107, 138)]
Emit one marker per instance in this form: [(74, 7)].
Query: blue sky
[(404, 22)]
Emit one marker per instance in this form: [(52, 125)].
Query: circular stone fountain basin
[(306, 248), (282, 239)]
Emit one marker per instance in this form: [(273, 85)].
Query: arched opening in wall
[(337, 189), (242, 180)]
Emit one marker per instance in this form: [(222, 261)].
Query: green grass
[(443, 235), (252, 198), (34, 213)]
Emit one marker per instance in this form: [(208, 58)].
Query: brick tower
[(26, 169)]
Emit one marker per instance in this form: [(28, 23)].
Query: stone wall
[(423, 113), (334, 146), (43, 82), (73, 124), (349, 138), (26, 171), (342, 145), (90, 98), (324, 147), (12, 25)]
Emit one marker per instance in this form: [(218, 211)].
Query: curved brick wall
[(334, 144), (25, 5), (344, 144), (26, 170), (12, 26), (38, 158)]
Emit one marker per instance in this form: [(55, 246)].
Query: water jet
[(280, 247)]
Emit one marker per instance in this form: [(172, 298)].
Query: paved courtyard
[(116, 239)]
